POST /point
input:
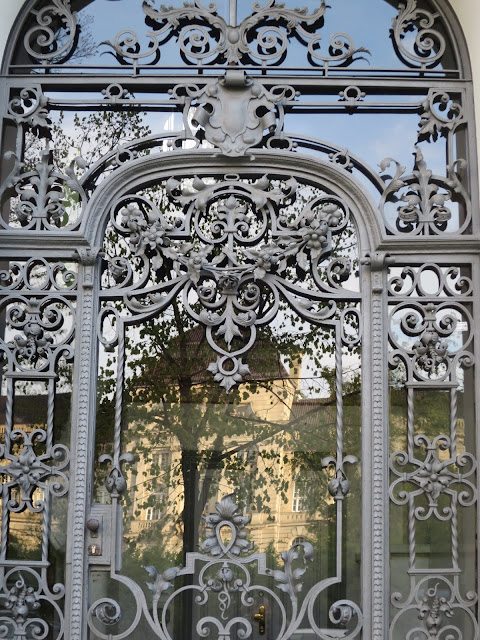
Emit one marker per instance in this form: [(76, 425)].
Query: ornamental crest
[(234, 112)]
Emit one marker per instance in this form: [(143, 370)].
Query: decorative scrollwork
[(53, 39), (205, 38), (30, 107), (21, 601), (47, 331), (432, 477), (443, 612), (426, 196), (29, 471), (44, 198), (341, 51), (430, 279), (108, 611), (342, 159), (342, 612), (38, 274), (223, 572), (423, 339), (440, 116), (228, 110), (428, 46), (231, 248)]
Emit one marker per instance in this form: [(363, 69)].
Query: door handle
[(260, 618)]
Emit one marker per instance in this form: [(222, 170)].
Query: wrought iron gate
[(238, 362)]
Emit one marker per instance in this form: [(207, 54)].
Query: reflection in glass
[(264, 442)]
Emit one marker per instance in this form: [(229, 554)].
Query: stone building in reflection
[(268, 441)]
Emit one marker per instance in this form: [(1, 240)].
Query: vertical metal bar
[(119, 396), (4, 533), (453, 423), (233, 13), (339, 396), (376, 449), (339, 442), (411, 534), (454, 532), (410, 422), (476, 419), (9, 413), (46, 525), (339, 527), (50, 413), (83, 417)]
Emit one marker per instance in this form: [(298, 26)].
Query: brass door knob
[(260, 618)]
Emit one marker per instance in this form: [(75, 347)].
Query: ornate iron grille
[(218, 165)]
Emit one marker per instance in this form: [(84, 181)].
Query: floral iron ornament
[(425, 195), (433, 477), (28, 471), (423, 337), (21, 601), (442, 611), (223, 573), (232, 251)]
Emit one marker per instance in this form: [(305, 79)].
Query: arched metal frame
[(396, 256)]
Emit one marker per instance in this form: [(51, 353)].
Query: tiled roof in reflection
[(306, 411), (192, 357), (31, 409)]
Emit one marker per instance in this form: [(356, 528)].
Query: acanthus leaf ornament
[(227, 110), (226, 515), (42, 41), (43, 198), (426, 195), (428, 45), (441, 115), (205, 38), (233, 245), (222, 569)]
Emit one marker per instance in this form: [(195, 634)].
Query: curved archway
[(142, 172)]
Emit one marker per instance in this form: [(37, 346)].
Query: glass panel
[(197, 449), (36, 354), (433, 470)]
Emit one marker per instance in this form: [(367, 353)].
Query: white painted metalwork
[(231, 215)]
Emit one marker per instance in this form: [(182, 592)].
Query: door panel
[(233, 448)]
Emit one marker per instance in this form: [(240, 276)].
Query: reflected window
[(300, 496)]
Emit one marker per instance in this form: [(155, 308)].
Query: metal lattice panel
[(249, 235)]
